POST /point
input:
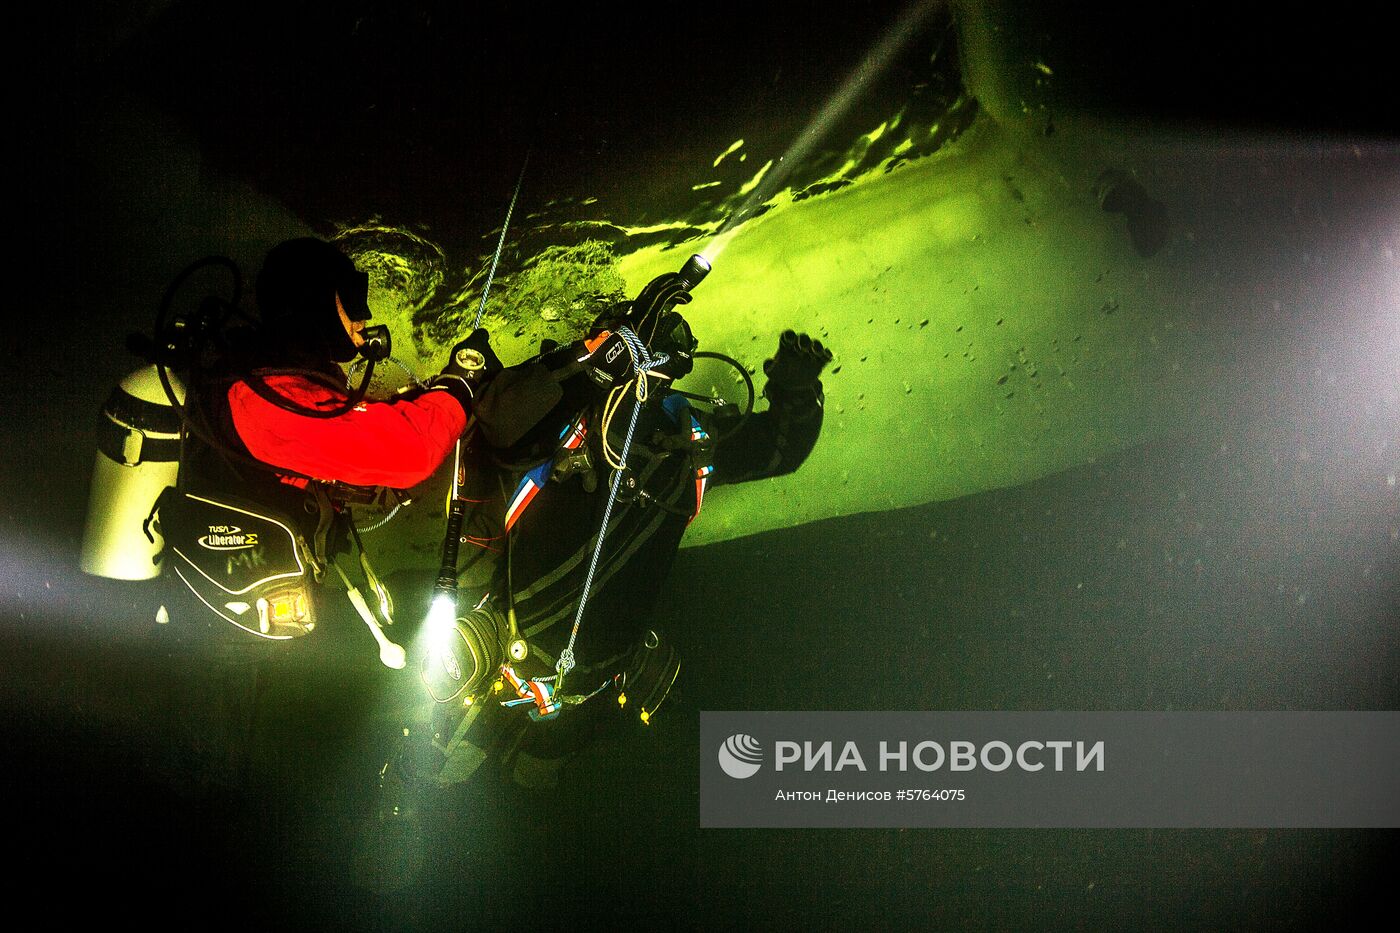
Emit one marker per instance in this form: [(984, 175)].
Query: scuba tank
[(138, 456)]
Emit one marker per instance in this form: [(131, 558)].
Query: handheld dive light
[(442, 612), (694, 271), (665, 292)]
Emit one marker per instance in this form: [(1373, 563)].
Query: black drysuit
[(543, 562)]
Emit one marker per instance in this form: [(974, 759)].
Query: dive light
[(694, 271), (442, 612)]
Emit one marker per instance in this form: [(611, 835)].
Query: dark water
[(169, 770), (1100, 588)]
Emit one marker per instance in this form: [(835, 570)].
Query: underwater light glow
[(442, 620), (716, 246), (770, 179)]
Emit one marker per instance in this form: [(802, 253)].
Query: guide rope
[(642, 363)]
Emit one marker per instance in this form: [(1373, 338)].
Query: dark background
[(151, 806), (423, 111)]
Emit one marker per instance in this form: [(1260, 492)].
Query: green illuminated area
[(991, 324), (989, 329)]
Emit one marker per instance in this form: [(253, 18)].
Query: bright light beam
[(442, 620), (837, 106)]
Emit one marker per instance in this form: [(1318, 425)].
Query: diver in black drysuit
[(540, 566)]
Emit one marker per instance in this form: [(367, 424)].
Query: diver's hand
[(605, 358), (618, 314), (473, 358), (470, 364), (796, 365), (673, 337)]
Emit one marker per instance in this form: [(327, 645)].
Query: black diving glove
[(470, 364), (605, 358), (794, 369), (674, 338), (607, 361)]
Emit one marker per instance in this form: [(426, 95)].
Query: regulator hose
[(164, 349), (748, 385)]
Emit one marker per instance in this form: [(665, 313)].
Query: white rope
[(500, 244), (382, 522)]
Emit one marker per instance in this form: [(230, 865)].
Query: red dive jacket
[(396, 444)]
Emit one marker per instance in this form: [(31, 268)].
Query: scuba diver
[(246, 487), (576, 474), (286, 405), (274, 449), (557, 636)]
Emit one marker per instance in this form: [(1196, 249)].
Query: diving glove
[(674, 338), (605, 358), (795, 367), (469, 365)]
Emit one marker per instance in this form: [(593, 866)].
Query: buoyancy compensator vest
[(173, 483)]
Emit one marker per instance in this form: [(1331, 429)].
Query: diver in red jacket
[(280, 427), (313, 303)]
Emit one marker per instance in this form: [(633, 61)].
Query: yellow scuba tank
[(138, 456)]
